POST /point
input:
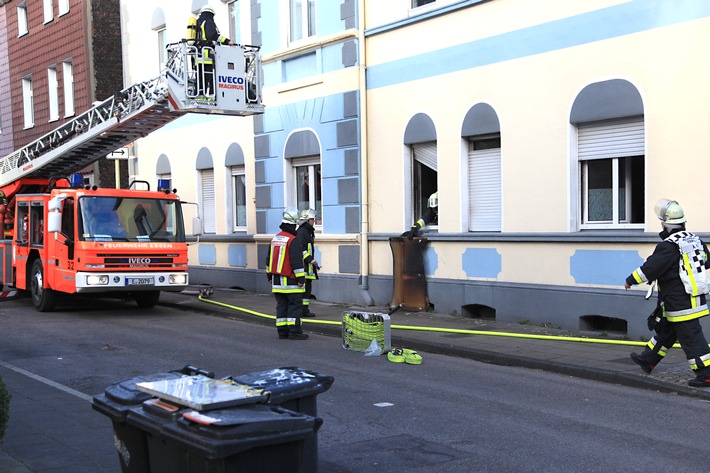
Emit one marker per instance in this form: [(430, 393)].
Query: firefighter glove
[(654, 320)]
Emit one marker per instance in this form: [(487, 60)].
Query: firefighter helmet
[(207, 9), (306, 215), (669, 212), (434, 200), (290, 216)]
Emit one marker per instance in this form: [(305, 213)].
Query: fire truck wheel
[(44, 299), (147, 299)]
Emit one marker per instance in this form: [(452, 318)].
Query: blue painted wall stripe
[(599, 25), (607, 267)]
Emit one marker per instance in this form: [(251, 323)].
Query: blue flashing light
[(76, 181), (163, 185)]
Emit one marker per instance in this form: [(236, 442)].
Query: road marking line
[(46, 381)]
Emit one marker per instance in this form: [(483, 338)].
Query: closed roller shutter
[(484, 190), (208, 201)]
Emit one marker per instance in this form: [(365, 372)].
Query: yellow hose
[(450, 330)]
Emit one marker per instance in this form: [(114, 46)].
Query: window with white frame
[(28, 102), (484, 184), (424, 177), (208, 201), (424, 6), (48, 11), (239, 198), (302, 19), (22, 24), (53, 90), (68, 78), (307, 185), (63, 7), (162, 51), (612, 171), (234, 19)]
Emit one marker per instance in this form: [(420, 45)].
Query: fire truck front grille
[(138, 261)]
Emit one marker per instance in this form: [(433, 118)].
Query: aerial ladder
[(52, 244), (143, 108)]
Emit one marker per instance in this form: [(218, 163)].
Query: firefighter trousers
[(289, 307), (689, 334)]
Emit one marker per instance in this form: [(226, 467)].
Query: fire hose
[(203, 297)]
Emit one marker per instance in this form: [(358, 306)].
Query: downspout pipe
[(364, 164)]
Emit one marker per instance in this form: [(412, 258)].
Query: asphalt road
[(446, 415)]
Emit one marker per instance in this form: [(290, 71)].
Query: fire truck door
[(22, 243)]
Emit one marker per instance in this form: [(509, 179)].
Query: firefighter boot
[(645, 365), (699, 383)]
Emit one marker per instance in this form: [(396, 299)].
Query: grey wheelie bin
[(117, 400), (295, 389), (243, 438)]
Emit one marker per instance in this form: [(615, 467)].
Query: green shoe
[(396, 355)]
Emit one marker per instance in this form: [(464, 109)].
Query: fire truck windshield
[(129, 219)]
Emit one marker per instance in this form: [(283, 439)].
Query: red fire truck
[(61, 236)]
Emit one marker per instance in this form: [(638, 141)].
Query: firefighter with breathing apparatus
[(284, 270), (678, 264)]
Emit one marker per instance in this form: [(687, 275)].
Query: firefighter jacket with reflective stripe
[(207, 29), (306, 234), (428, 217), (284, 264), (664, 266)]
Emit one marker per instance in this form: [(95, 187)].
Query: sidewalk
[(500, 343), (33, 443)]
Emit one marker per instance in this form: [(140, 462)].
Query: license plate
[(139, 281)]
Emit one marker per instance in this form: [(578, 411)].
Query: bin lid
[(287, 383), (203, 393), (125, 392)]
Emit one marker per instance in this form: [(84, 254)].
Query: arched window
[(237, 188), (420, 137), (609, 120), (208, 207), (481, 130), (303, 153)]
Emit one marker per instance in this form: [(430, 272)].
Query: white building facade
[(549, 130)]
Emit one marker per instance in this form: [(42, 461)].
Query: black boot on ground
[(699, 383), (298, 336), (645, 365)]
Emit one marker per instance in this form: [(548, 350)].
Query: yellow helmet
[(670, 212)]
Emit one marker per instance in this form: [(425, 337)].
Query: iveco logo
[(138, 260)]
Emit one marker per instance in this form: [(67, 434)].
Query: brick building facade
[(62, 55)]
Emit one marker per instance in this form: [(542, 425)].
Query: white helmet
[(669, 212), (434, 200), (306, 215), (290, 216), (207, 9)]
